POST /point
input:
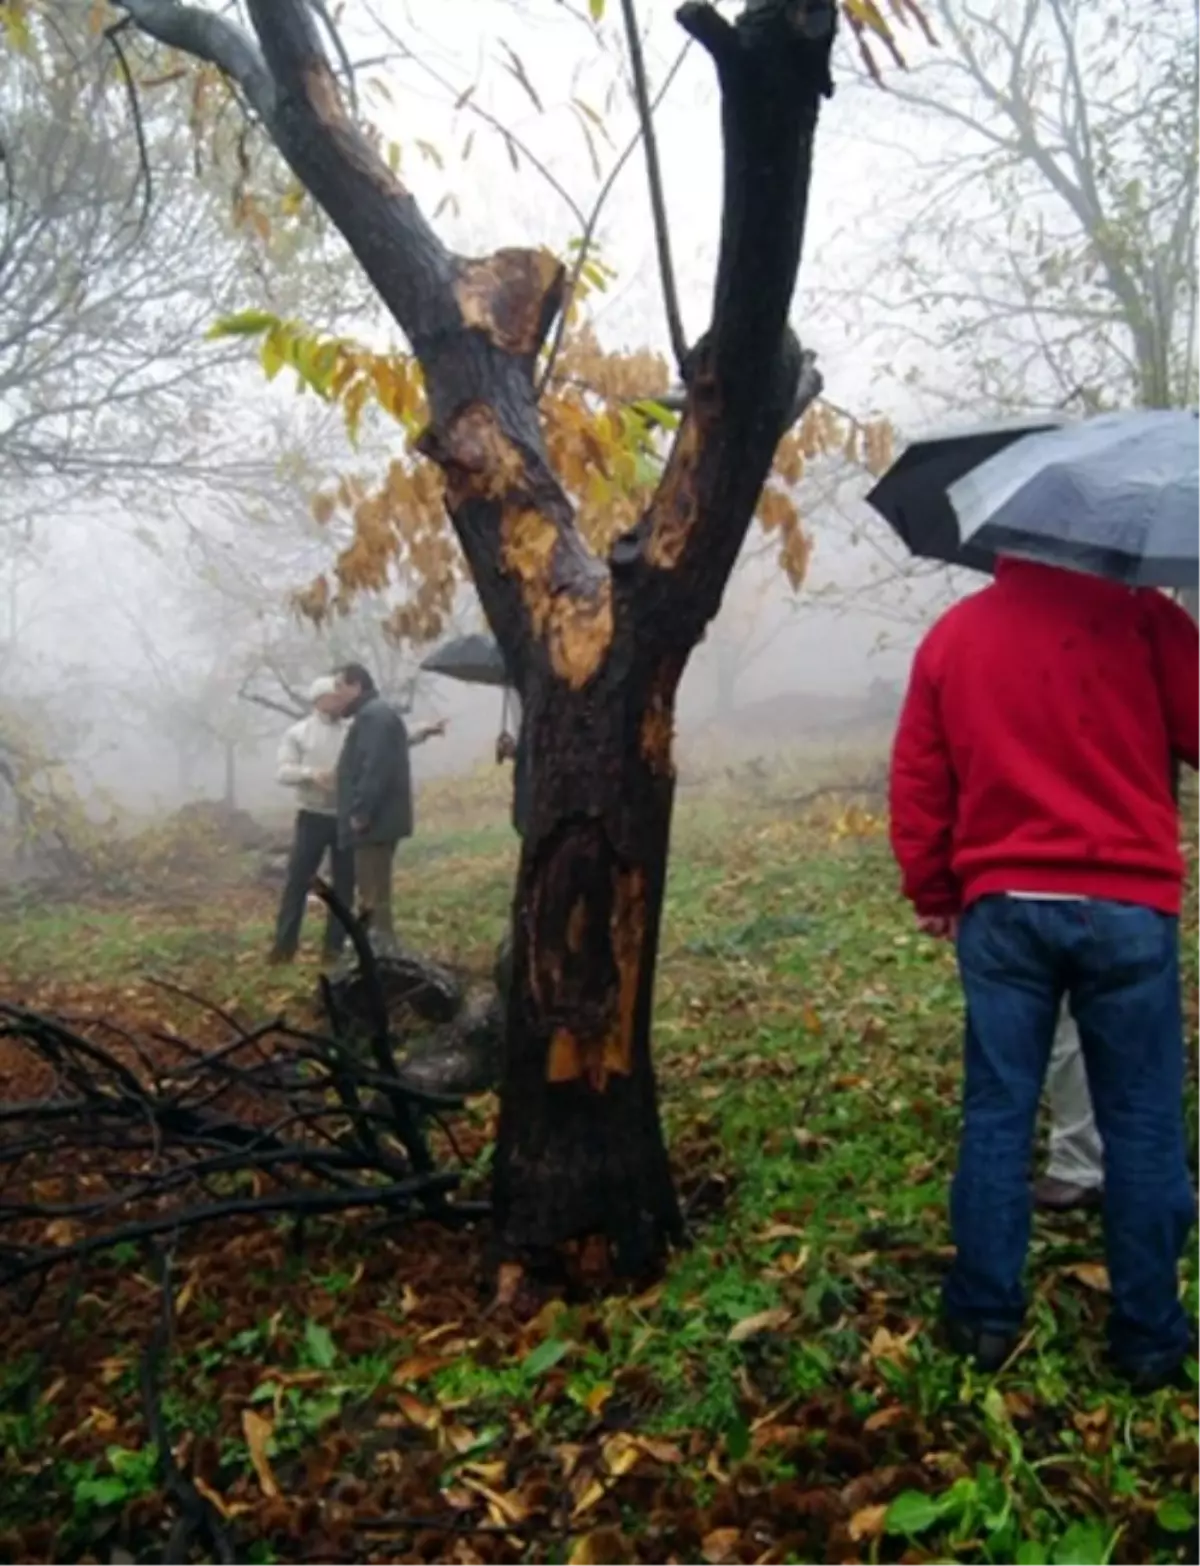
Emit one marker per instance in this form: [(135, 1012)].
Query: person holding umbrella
[(1033, 820)]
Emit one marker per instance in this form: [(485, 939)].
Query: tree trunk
[(596, 646), (230, 793), (581, 1151)]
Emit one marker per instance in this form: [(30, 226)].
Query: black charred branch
[(135, 1139)]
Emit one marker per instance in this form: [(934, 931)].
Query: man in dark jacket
[(374, 794)]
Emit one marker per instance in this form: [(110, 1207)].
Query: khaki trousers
[(373, 864)]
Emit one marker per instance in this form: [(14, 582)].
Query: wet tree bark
[(597, 646)]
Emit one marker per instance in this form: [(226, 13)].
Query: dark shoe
[(1063, 1196), (278, 959), (989, 1350), (1153, 1375)]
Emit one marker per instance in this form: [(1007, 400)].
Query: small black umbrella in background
[(913, 494), (475, 660)]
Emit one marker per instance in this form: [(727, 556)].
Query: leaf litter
[(353, 1393)]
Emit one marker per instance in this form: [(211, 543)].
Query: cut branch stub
[(512, 297)]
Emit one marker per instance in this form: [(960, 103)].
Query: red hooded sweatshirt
[(1035, 748)]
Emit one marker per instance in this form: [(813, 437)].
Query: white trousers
[(1076, 1155)]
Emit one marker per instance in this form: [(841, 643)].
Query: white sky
[(863, 184)]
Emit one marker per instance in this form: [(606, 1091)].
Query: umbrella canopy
[(474, 659), (1117, 496), (913, 493)]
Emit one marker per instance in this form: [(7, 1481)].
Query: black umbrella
[(475, 660), (912, 494)]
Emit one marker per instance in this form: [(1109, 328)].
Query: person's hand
[(940, 927), (359, 824), (506, 748), (438, 728), (325, 780)]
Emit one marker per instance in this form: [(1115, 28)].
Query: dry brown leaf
[(890, 1345), (459, 1438), (867, 1523), (885, 1418), (1091, 1274), (257, 1432), (769, 1435), (720, 1545), (506, 1510), (660, 1451), (419, 1368), (184, 1297), (418, 1413), (788, 1264), (509, 1279), (764, 1321), (621, 1453), (440, 1332), (488, 1473), (781, 1231), (599, 1547), (63, 1231), (1092, 1418), (227, 1509), (649, 1299), (591, 1495), (597, 1397)]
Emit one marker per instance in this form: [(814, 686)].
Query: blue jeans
[(1119, 965)]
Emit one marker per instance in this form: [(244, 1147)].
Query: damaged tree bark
[(597, 646)]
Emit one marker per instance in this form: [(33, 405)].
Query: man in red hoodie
[(1033, 818)]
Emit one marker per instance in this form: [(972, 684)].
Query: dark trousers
[(1119, 965), (315, 835)]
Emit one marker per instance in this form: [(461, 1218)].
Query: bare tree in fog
[(1052, 261)]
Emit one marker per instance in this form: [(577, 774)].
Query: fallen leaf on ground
[(419, 1368), (867, 1523), (781, 1231), (258, 1432), (505, 1509), (885, 1418), (598, 1548), (764, 1321), (890, 1345), (720, 1545), (1091, 1274)]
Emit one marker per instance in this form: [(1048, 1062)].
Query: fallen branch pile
[(128, 1142)]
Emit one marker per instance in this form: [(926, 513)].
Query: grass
[(780, 1395)]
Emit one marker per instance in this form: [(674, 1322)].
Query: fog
[(145, 617)]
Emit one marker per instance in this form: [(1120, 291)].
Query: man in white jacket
[(308, 758)]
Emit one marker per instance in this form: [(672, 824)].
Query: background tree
[(1052, 259), (597, 642)]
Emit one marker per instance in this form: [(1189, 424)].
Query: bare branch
[(593, 218), (112, 34), (209, 37), (658, 203)]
